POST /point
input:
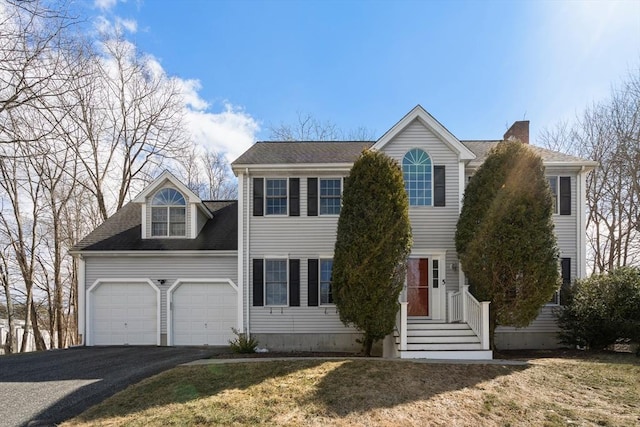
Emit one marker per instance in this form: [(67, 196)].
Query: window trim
[(320, 179), (264, 285), (320, 303), (431, 181), (168, 213), (266, 197)]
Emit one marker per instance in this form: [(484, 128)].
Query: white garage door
[(124, 313), (203, 313)]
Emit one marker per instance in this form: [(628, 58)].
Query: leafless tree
[(208, 174), (6, 287), (309, 128), (129, 120), (32, 61), (609, 133)]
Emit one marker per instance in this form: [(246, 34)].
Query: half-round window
[(418, 177), (168, 214)]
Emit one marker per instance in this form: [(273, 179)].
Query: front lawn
[(603, 390)]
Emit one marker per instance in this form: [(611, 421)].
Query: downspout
[(247, 251), (82, 321)]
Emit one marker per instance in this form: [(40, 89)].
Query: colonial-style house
[(172, 269)]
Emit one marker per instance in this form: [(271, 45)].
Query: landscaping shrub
[(242, 344), (603, 309)]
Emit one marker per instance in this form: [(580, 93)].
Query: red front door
[(418, 287)]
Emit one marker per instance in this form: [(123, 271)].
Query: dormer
[(170, 210)]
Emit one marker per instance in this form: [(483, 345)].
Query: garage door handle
[(205, 325), (125, 324)]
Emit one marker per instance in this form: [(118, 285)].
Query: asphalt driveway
[(46, 388)]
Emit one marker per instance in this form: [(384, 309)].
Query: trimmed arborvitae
[(505, 237), (372, 245)]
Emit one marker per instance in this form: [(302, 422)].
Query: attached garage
[(202, 312), (124, 312)]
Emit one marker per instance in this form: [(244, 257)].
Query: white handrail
[(403, 325), (463, 307)]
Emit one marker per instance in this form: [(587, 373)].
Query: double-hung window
[(275, 284), (330, 193), (168, 214), (276, 197), (561, 193), (326, 268)]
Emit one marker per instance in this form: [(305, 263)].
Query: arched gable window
[(417, 169), (168, 214)]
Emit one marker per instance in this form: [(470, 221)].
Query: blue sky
[(475, 66)]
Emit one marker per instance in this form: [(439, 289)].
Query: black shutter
[(565, 268), (438, 186), (294, 282), (258, 282), (294, 196), (312, 197), (258, 196), (565, 195), (312, 274)]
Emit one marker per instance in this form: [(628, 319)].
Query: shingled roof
[(482, 148), (122, 232), (300, 152)]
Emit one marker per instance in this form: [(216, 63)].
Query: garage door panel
[(203, 313), (124, 313)]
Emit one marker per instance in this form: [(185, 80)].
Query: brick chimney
[(518, 131)]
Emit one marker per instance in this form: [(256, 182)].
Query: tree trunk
[(37, 335), (4, 278)]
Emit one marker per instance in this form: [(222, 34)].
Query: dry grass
[(602, 391)]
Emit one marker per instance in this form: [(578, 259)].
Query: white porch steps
[(431, 340)]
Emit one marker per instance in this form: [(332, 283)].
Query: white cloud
[(105, 4), (131, 25), (189, 89), (231, 131)]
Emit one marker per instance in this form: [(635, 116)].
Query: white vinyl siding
[(433, 228), (566, 225), (545, 322), (168, 269)]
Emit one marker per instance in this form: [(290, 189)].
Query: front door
[(418, 287)]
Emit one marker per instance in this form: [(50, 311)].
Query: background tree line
[(84, 124), (609, 133)]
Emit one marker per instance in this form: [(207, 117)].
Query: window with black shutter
[(294, 196), (312, 285), (312, 196), (258, 196), (294, 282), (439, 186), (258, 282), (565, 195)]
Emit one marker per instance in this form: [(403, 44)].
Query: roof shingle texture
[(482, 148), (262, 153), (317, 152), (122, 232)]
